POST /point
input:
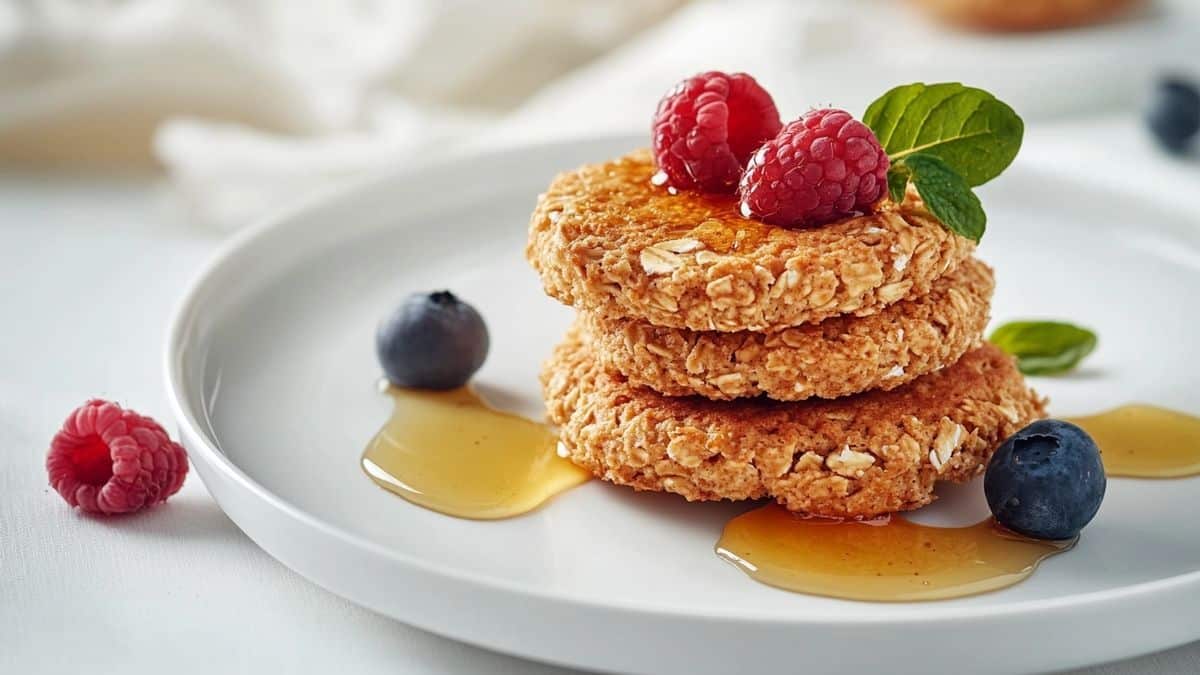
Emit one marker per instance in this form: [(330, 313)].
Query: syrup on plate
[(1145, 441), (886, 560), (452, 453)]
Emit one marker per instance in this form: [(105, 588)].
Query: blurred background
[(243, 104)]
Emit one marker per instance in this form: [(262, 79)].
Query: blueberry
[(1046, 481), (1174, 113), (432, 341)]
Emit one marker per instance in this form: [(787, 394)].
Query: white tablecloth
[(89, 270)]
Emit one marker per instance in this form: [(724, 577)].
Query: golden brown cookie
[(607, 240), (1025, 15), (859, 456), (840, 356)]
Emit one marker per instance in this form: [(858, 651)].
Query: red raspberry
[(822, 166), (708, 126), (109, 460)]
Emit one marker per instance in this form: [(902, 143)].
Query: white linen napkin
[(256, 101)]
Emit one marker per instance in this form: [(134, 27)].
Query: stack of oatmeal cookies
[(839, 370)]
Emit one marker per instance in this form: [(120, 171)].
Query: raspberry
[(708, 126), (109, 460), (822, 166)]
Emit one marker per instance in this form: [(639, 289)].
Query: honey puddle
[(892, 560), (452, 453), (1145, 441)]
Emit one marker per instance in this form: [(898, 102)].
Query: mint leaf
[(1044, 347), (897, 178), (969, 129), (946, 195)]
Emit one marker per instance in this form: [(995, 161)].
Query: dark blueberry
[(432, 341), (1046, 481), (1174, 113)]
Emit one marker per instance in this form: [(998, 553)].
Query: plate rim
[(206, 450)]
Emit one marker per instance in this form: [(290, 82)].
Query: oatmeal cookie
[(606, 239), (839, 356), (859, 456)]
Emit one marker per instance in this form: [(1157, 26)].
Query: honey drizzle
[(889, 560), (726, 237), (452, 453), (1145, 441)]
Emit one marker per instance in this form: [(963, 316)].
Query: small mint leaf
[(897, 178), (974, 133), (1044, 347), (947, 196)]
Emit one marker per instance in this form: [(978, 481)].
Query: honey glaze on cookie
[(890, 559), (1145, 441), (452, 453)]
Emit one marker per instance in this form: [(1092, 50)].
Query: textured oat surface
[(836, 357), (858, 456), (605, 239)]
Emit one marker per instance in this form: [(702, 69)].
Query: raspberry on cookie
[(706, 128), (824, 165)]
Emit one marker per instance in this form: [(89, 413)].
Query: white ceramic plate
[(271, 368)]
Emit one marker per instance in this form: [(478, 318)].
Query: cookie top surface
[(840, 356), (605, 239), (859, 456)]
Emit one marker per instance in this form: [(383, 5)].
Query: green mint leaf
[(1044, 347), (946, 195), (969, 129), (897, 178)]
